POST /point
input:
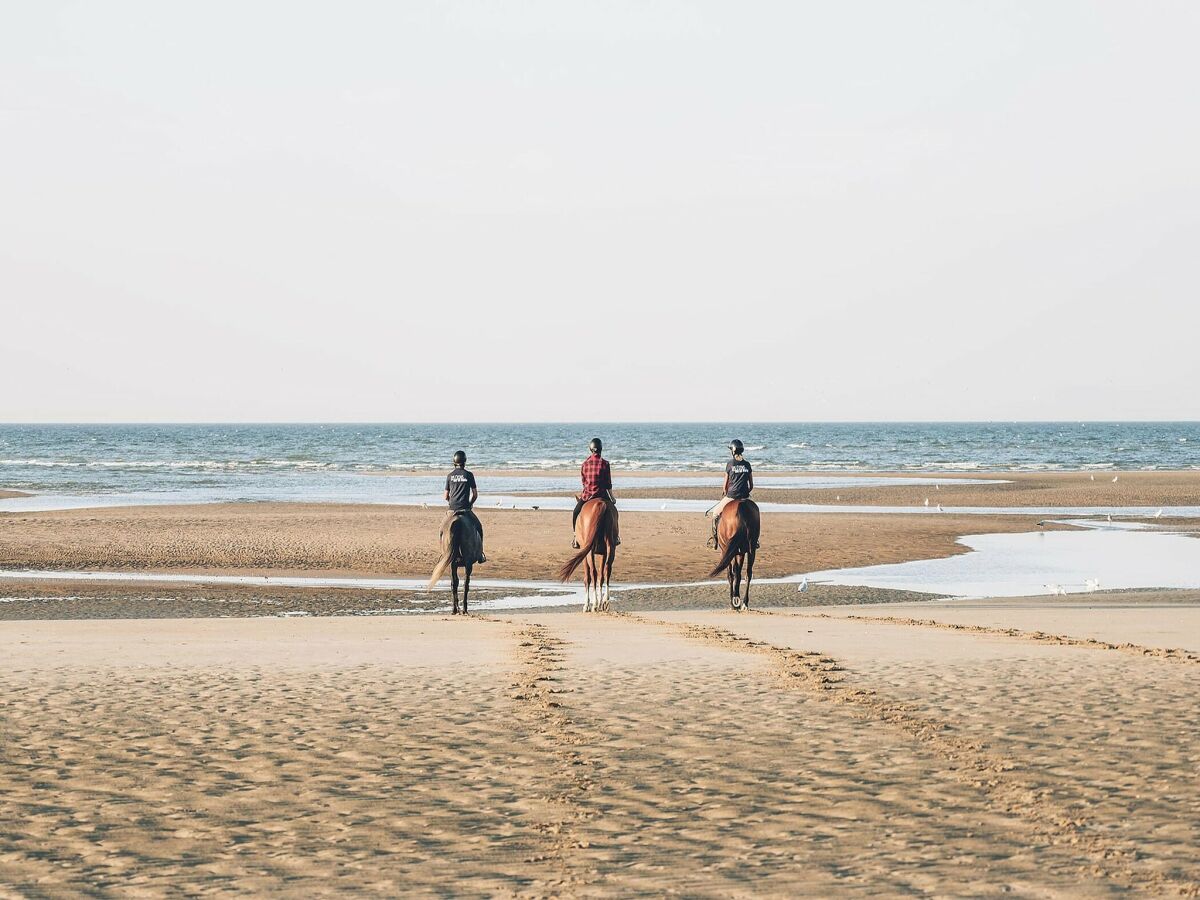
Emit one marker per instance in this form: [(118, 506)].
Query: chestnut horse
[(596, 534), (737, 538), (460, 547)]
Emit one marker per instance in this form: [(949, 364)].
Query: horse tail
[(585, 546), (449, 551), (733, 548)]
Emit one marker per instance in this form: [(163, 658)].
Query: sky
[(578, 211)]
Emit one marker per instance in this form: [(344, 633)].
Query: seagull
[(926, 501), (1115, 477), (937, 487), (838, 497), (940, 508), (664, 506), (1093, 477), (424, 506), (1158, 515), (497, 504), (803, 589), (1110, 517)]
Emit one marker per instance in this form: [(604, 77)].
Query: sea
[(344, 462)]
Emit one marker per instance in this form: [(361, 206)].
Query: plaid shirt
[(596, 477)]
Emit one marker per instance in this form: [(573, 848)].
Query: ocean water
[(343, 461)]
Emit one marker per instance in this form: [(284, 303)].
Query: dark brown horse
[(737, 539), (461, 545), (596, 534)]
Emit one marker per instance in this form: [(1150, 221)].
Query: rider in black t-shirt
[(461, 494), (739, 482)]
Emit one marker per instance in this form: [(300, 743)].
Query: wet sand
[(694, 752), (5, 495), (1051, 489), (25, 599), (398, 541)]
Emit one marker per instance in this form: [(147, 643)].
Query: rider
[(739, 482), (597, 482), (461, 494)]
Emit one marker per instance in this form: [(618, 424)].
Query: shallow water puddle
[(1044, 562)]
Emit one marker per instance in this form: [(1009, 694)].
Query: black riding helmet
[(596, 446), (460, 458), (736, 447)]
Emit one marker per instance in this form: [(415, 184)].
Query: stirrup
[(574, 544), (482, 558)]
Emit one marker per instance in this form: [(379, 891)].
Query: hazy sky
[(591, 211)]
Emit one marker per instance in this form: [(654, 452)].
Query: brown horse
[(596, 534), (737, 539), (461, 545)]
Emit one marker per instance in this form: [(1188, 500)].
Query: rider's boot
[(712, 538)]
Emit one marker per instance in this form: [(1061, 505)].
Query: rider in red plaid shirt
[(597, 482)]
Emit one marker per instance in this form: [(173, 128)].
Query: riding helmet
[(596, 445), (460, 458), (736, 446)]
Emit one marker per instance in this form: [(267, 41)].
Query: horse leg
[(454, 587), (732, 592), (608, 564), (587, 584), (466, 587), (749, 575)]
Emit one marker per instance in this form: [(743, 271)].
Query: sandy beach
[(176, 738), (657, 752), (402, 541)]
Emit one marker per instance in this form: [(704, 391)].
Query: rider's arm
[(725, 487), (474, 494), (750, 482)]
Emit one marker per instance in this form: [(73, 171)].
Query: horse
[(737, 538), (596, 534), (461, 545)]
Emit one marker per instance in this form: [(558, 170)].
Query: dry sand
[(595, 756), (397, 541)]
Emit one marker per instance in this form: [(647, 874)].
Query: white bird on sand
[(1110, 517), (926, 501), (1115, 477), (839, 497), (424, 506), (937, 487), (803, 589), (1093, 477), (1158, 515), (940, 508), (497, 504), (664, 506)]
